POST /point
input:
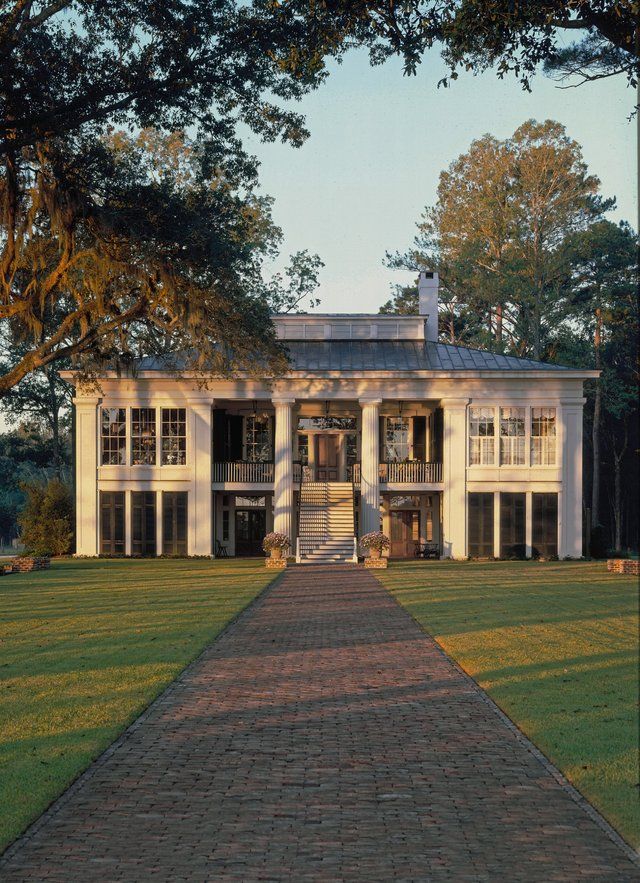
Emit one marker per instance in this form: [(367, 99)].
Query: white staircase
[(326, 524)]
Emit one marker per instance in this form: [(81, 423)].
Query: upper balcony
[(261, 474)]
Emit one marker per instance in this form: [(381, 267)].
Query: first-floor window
[(544, 530), (481, 436), (303, 449), (257, 438), (543, 436), (113, 432), (174, 437), (112, 523), (396, 439), (143, 523), (512, 525), (512, 436), (143, 436), (174, 522), (480, 525)]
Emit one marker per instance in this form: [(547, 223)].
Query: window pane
[(174, 437), (512, 436), (113, 436), (143, 436), (543, 436), (481, 436), (257, 438), (396, 439)]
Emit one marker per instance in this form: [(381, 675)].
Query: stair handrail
[(355, 549)]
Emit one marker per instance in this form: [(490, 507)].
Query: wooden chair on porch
[(427, 550), (221, 551)]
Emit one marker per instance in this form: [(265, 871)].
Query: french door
[(327, 457), (250, 531), (405, 532), (112, 523), (174, 522), (143, 523)]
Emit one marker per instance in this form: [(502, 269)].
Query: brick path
[(322, 737)]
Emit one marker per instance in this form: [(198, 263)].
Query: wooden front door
[(250, 531), (327, 457), (405, 532)]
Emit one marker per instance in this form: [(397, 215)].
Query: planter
[(628, 566), (378, 563), (276, 554), (374, 553)]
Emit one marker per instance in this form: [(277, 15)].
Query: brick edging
[(524, 740), (78, 783)]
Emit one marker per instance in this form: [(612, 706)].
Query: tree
[(128, 243), (46, 520), (503, 210)]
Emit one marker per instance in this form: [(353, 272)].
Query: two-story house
[(375, 425)]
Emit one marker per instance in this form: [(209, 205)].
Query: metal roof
[(402, 355)]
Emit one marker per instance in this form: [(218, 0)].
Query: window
[(544, 530), (112, 522), (396, 439), (174, 522), (174, 437), (143, 436), (348, 423), (351, 449), (225, 524), (114, 436), (251, 502), (512, 436), (543, 436), (512, 525), (403, 501), (481, 525), (257, 439), (143, 523), (303, 449), (481, 436)]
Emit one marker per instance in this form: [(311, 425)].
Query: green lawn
[(556, 646), (84, 648)]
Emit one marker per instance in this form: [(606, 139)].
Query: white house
[(376, 424)]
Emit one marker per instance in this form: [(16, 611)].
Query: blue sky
[(379, 141)]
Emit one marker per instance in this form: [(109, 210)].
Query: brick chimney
[(428, 302)]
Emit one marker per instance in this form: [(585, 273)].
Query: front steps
[(326, 525)]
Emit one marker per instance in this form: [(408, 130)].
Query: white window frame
[(406, 421), (248, 446), (165, 455), (111, 437), (152, 450), (544, 446), (513, 444), (482, 454)]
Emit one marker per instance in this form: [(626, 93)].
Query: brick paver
[(323, 736)]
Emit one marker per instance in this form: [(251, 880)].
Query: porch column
[(370, 468), (87, 444), (283, 521), (200, 512), (569, 448), (454, 467)]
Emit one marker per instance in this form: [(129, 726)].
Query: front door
[(250, 531), (405, 533), (327, 457)]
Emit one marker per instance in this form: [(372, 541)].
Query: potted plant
[(275, 544), (375, 542)]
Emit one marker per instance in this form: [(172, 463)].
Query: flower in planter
[(375, 541), (275, 543)]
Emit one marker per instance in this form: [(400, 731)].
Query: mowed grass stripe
[(555, 644), (85, 647)]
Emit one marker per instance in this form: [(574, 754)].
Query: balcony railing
[(407, 472), (244, 472)]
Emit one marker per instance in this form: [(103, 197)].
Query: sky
[(379, 141)]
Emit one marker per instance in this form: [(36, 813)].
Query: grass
[(556, 646), (84, 648)]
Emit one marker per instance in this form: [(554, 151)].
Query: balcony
[(245, 472), (406, 472)]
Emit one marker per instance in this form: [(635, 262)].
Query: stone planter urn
[(375, 553), (275, 544), (374, 543)]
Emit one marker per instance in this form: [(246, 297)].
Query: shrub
[(375, 540), (46, 521), (275, 541)]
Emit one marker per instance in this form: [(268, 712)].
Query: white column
[(86, 474), (454, 468), (570, 500), (370, 466), (200, 513), (497, 539), (528, 524), (283, 521)]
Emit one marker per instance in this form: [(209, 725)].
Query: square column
[(370, 466), (87, 442), (570, 500), (454, 443), (283, 520), (200, 512)]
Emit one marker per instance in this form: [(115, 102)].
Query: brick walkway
[(322, 737)]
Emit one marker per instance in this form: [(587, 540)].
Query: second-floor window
[(143, 436), (396, 439), (174, 437), (512, 436), (257, 439), (113, 436), (543, 436), (481, 436)]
